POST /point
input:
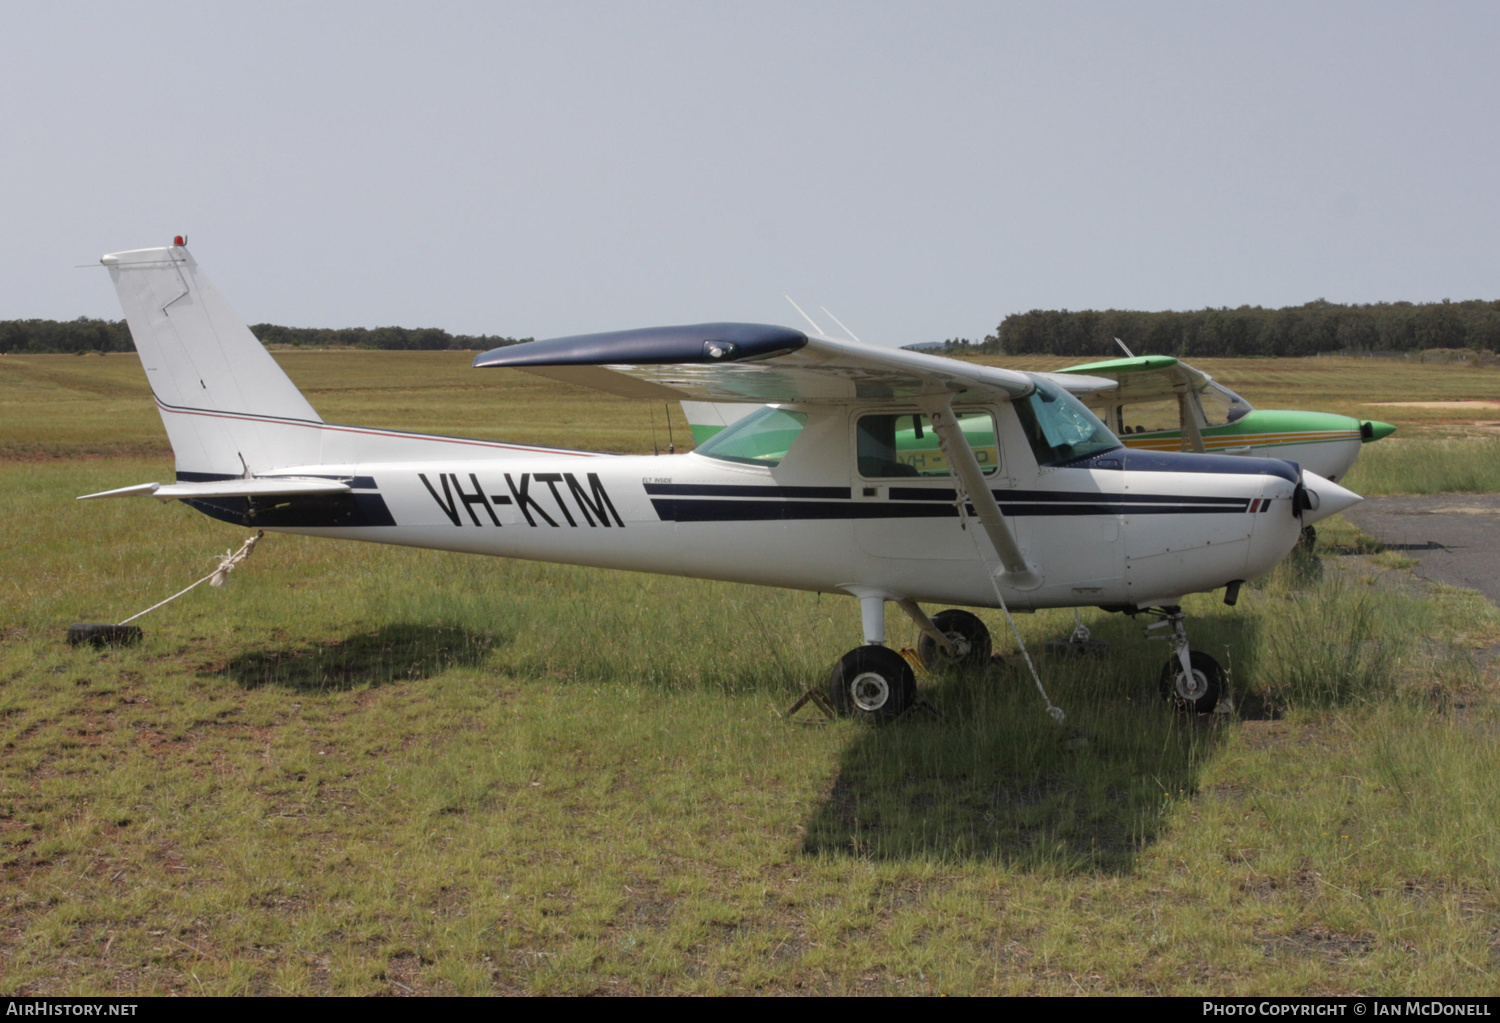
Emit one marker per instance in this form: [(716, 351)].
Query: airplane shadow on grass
[(994, 778), (393, 653)]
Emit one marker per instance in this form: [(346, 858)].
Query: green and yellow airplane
[(1164, 404)]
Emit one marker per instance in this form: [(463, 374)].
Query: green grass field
[(366, 770)]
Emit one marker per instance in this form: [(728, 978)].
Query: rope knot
[(214, 578), (220, 575)]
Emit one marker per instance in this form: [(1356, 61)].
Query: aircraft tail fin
[(228, 408), (707, 418)]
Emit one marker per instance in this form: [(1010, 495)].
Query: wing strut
[(960, 458), (1191, 435)]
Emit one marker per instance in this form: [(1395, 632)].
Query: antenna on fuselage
[(806, 317), (845, 329), (1127, 351)]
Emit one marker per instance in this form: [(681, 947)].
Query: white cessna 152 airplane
[(807, 493)]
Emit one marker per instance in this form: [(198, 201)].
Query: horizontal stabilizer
[(288, 486)]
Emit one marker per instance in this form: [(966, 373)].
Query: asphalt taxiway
[(1454, 537)]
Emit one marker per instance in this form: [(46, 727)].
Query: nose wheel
[(1197, 691), (1191, 680)]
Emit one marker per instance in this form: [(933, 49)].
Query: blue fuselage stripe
[(690, 502), (669, 510), (740, 490)]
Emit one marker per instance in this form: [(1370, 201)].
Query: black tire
[(964, 630), (1308, 538), (100, 635), (1208, 684), (872, 682)]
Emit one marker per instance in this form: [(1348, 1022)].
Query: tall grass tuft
[(1332, 646), (1419, 465)]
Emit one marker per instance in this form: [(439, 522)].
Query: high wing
[(748, 362), (1145, 377), (1148, 378)]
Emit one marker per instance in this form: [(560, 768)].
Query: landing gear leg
[(1191, 679), (951, 639), (872, 618)]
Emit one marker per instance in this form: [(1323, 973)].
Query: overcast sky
[(921, 170)]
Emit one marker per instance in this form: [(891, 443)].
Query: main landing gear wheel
[(1198, 694), (872, 682), (970, 638)]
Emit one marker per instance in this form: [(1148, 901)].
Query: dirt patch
[(1470, 902), (1316, 942), (404, 973), (1304, 884)]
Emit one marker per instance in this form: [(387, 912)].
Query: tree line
[(89, 335), (1315, 328), (1310, 329)]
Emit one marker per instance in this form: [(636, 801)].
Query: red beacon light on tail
[(180, 240)]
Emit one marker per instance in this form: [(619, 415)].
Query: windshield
[(1059, 428), (1221, 405), (761, 438)]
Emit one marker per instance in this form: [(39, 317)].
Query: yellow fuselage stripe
[(1252, 440)]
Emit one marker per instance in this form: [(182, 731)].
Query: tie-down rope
[(215, 578)]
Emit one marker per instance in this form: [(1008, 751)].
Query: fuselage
[(1320, 442), (1120, 528)]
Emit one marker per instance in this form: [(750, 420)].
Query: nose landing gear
[(1197, 691), (1191, 680)]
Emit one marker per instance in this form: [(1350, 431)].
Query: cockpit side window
[(1150, 416), (905, 444)]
